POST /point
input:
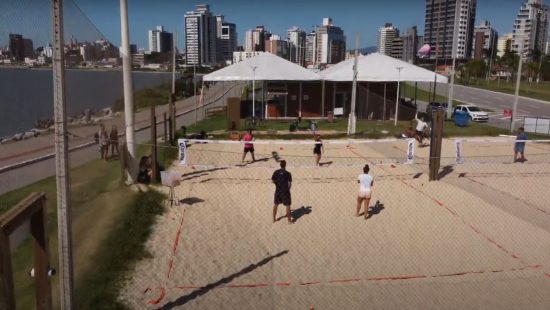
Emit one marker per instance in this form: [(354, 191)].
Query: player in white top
[(365, 191), (420, 127)]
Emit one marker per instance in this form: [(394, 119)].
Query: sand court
[(427, 244)]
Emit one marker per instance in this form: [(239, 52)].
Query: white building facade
[(531, 27)]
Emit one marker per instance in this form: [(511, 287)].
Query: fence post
[(165, 132), (153, 144), (435, 144), (7, 292), (41, 256)]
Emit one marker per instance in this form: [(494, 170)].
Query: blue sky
[(363, 17)]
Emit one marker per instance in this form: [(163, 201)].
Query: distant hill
[(365, 50)]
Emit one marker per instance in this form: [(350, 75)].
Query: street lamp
[(397, 100), (518, 81)]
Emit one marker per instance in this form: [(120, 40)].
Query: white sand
[(463, 251)]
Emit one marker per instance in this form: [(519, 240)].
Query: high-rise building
[(255, 39), (227, 40), (160, 41), (485, 40), (547, 49), (28, 48), (277, 46), (530, 27), (330, 45), (410, 44), (309, 56), (17, 47), (396, 48), (200, 36), (386, 35), (297, 45), (504, 44), (439, 29)]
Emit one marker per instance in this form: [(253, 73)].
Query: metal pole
[(453, 68), (195, 91), (62, 172), (518, 81), (128, 88), (397, 100), (254, 92), (384, 109), (323, 98), (491, 56), (174, 64), (352, 117)]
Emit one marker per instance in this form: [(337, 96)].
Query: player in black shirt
[(317, 149), (283, 182)]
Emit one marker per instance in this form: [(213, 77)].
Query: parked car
[(475, 113), (435, 105)]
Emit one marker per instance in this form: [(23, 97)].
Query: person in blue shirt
[(519, 147)]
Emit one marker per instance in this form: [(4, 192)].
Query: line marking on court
[(175, 246), (162, 291), (450, 210)]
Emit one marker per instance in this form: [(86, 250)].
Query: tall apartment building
[(386, 35), (547, 48), (396, 48), (226, 40), (485, 40), (296, 45), (410, 44), (200, 36), (330, 45), (255, 39), (531, 27), (504, 44), (439, 30), (17, 47), (160, 41), (309, 56), (275, 45)]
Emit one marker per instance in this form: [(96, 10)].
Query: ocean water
[(27, 94)]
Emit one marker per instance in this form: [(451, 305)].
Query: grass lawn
[(111, 222), (365, 129), (532, 90)]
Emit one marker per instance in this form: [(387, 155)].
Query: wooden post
[(154, 144), (438, 116), (171, 108), (41, 256), (7, 292), (165, 132)]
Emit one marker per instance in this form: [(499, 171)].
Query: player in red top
[(248, 147)]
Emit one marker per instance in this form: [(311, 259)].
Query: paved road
[(495, 101), (14, 179)]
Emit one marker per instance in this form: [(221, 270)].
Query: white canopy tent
[(263, 67), (380, 68)]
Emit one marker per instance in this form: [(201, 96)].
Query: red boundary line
[(162, 291), (450, 210), (175, 247)]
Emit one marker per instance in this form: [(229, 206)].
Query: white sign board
[(458, 151), (537, 125), (410, 151), (182, 152), (338, 111)]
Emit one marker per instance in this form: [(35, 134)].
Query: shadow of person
[(205, 289), (376, 209), (327, 163), (298, 213), (191, 200)]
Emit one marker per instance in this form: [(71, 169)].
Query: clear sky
[(363, 17)]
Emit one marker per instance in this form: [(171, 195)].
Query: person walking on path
[(113, 139), (248, 147), (365, 191), (283, 182), (519, 147), (420, 127), (318, 149), (103, 140)]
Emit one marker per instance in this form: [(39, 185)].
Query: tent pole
[(263, 99), (367, 105), (300, 102), (384, 116), (415, 91), (333, 97), (323, 99), (286, 99)]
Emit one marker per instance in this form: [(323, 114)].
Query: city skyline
[(352, 16)]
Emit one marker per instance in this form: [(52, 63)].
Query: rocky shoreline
[(44, 126)]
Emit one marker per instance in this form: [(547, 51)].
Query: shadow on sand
[(203, 290), (298, 213)]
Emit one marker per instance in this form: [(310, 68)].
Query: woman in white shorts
[(365, 191)]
